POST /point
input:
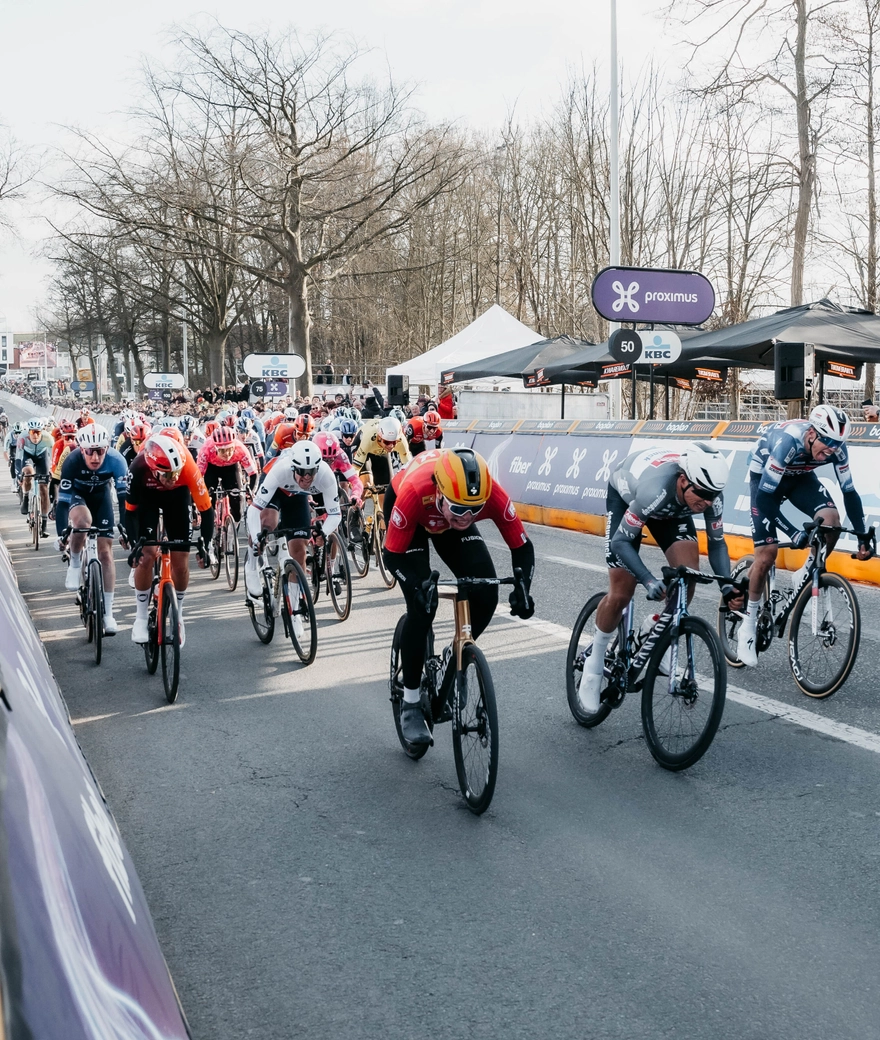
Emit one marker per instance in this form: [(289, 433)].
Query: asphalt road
[(308, 880)]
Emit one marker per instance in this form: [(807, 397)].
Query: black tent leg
[(562, 403), (632, 410), (666, 394), (652, 392)]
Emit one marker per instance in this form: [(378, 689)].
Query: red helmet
[(138, 432), (303, 427), (224, 437), (164, 454), (228, 420), (67, 428), (327, 444), (210, 426), (431, 418)]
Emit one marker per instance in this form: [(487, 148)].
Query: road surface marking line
[(798, 716)]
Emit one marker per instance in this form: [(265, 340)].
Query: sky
[(473, 61)]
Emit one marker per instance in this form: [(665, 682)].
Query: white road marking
[(555, 559), (798, 716)]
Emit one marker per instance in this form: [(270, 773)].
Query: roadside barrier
[(79, 951)]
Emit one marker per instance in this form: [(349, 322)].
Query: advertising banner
[(647, 295), (163, 381), (37, 355), (274, 366)]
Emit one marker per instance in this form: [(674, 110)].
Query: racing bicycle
[(286, 594), (90, 595), (685, 683), (327, 564), (224, 543), (823, 638), (365, 532), (458, 687)]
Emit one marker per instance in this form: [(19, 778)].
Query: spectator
[(446, 403), (346, 378), (870, 411)]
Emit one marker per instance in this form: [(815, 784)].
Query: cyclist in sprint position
[(84, 500), (663, 490), (346, 433), (220, 461), (283, 497), (65, 443), (439, 497), (782, 467), (32, 455), (338, 461), (423, 432), (289, 433), (164, 476), (380, 440)]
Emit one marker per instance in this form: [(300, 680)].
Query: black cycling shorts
[(294, 513), (805, 492), (380, 466), (665, 529), (175, 505), (40, 464), (228, 477), (100, 506)]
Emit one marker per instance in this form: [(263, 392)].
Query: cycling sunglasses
[(94, 451), (298, 471), (387, 445), (707, 496), (462, 511), (828, 442)]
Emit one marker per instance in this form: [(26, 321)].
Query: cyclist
[(288, 433), (84, 418), (783, 468), (439, 497), (346, 433), (423, 432), (221, 459), (164, 477), (662, 490), (379, 440), (283, 498), (84, 500), (338, 461), (10, 447), (65, 443), (32, 456)]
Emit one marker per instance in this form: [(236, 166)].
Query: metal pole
[(562, 403), (666, 410), (614, 159), (652, 392), (185, 355), (632, 411)]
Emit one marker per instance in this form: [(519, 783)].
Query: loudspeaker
[(789, 372), (398, 390)]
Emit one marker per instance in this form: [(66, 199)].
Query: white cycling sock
[(108, 603), (180, 596), (411, 696), (76, 560), (601, 641), (750, 621), (142, 602)]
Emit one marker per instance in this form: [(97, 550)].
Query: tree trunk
[(298, 323), (806, 158), (215, 353)]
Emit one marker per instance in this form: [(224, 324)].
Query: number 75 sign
[(644, 348)]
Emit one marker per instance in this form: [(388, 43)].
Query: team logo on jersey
[(397, 518), (510, 512)]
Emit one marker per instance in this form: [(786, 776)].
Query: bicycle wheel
[(296, 603), (821, 660), (96, 606), (379, 541), (358, 550), (217, 550), (338, 577), (415, 751), (229, 542), (579, 648), (315, 570), (475, 730), (681, 711), (151, 648), (35, 527), (170, 645), (262, 615)]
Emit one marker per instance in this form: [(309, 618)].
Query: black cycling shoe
[(24, 507), (413, 725)]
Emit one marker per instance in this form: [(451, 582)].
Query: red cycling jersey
[(416, 506), (240, 455)]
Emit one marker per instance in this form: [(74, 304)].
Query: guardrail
[(78, 942)]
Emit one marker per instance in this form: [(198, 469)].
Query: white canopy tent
[(492, 333)]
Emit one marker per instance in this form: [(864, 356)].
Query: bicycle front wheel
[(823, 640), (475, 730), (579, 648), (299, 612), (229, 542), (170, 645), (96, 607), (36, 529), (338, 577), (262, 614), (682, 705), (414, 751), (151, 647), (379, 535), (356, 541), (216, 552)]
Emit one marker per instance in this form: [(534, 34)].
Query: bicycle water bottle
[(646, 627)]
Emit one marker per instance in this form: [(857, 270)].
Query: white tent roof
[(492, 333)]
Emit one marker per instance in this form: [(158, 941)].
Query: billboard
[(37, 355)]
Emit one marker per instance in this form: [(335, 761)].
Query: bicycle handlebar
[(435, 579), (674, 573), (167, 546)]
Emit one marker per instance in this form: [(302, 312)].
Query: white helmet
[(389, 429), (705, 466), (305, 456), (832, 424), (35, 424), (291, 412), (92, 436)]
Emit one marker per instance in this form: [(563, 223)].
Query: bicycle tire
[(294, 581), (231, 555), (676, 735), (262, 614), (217, 546), (338, 577), (836, 678), (315, 571), (36, 523), (574, 667), (379, 541), (413, 751), (96, 606), (151, 647), (359, 551), (728, 624), (475, 731), (170, 645)]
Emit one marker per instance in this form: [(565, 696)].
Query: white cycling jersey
[(278, 476)]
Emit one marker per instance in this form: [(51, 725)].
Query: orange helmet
[(462, 478), (303, 427), (164, 454), (431, 418)]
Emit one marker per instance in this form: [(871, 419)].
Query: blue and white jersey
[(781, 452)]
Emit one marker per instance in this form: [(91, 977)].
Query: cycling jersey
[(414, 431), (278, 482), (240, 456), (643, 491), (780, 455), (341, 464), (147, 495), (60, 450), (38, 455), (83, 486), (283, 437), (368, 447)]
